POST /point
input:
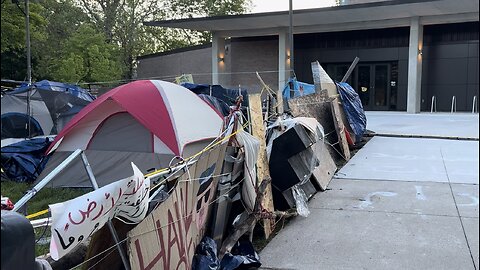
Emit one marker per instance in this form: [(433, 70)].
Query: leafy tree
[(87, 57), (13, 48), (98, 40), (57, 13), (122, 23), (13, 25)]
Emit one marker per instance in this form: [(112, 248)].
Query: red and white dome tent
[(146, 122)]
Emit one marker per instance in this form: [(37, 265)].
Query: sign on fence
[(75, 220)]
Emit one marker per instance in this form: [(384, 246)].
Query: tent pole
[(32, 192), (123, 256)]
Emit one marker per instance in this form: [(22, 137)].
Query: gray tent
[(51, 106)]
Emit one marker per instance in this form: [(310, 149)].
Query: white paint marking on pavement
[(468, 195), (420, 195), (367, 202)]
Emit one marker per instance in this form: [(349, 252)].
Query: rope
[(173, 76), (39, 213), (154, 230), (44, 231)]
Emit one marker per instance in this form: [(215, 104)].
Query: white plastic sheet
[(300, 201), (251, 147), (75, 220)]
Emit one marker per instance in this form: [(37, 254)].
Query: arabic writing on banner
[(75, 220)]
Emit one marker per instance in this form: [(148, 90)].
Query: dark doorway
[(372, 81), (374, 86)]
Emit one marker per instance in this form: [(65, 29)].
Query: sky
[(280, 5)]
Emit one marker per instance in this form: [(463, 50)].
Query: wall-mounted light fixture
[(420, 52), (221, 59)]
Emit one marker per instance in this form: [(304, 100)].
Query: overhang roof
[(383, 14)]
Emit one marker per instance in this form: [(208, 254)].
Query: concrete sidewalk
[(446, 125), (399, 203)]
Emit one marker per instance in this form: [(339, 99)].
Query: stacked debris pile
[(206, 171), (296, 146)]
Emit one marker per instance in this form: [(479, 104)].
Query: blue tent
[(71, 89), (50, 104)]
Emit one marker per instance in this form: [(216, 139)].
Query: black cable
[(44, 231), (21, 9)]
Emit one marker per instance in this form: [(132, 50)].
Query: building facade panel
[(450, 63), (254, 55)]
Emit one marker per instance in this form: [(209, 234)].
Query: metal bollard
[(475, 105), (434, 104), (454, 105)]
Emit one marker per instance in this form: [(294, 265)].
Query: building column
[(218, 59), (283, 60), (414, 93)]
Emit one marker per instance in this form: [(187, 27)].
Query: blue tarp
[(299, 89), (24, 161), (229, 96), (352, 105), (71, 89), (217, 103)]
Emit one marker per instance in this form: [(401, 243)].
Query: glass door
[(381, 87), (373, 86), (364, 85)]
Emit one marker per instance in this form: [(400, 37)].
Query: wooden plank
[(324, 172), (341, 129), (263, 171)]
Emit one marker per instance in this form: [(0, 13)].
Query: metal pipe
[(27, 34), (475, 105), (91, 176), (29, 63), (454, 105), (350, 69), (434, 104), (290, 27), (45, 180)]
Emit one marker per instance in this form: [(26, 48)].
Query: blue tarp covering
[(227, 95), (350, 100), (71, 89), (218, 104), (353, 108), (24, 161), (299, 89)]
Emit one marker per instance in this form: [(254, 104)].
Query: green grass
[(39, 202)]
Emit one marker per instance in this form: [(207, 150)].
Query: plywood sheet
[(327, 168), (263, 171)]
